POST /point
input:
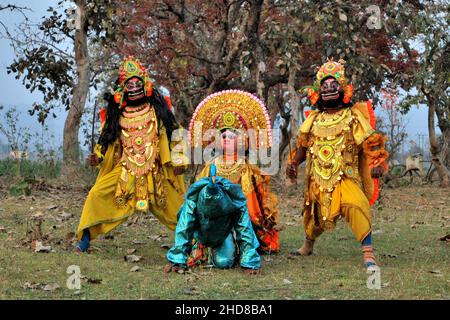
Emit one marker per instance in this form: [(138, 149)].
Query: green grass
[(30, 169), (408, 223)]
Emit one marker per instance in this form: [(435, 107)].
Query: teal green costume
[(214, 213)]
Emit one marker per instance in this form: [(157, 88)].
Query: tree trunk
[(284, 128), (295, 101), (290, 127), (446, 146), (434, 144), (442, 113), (71, 146)]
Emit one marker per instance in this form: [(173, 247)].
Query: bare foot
[(306, 249), (172, 268), (253, 272)]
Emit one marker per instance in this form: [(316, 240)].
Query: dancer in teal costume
[(215, 214)]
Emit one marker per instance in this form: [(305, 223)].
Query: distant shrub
[(31, 169)]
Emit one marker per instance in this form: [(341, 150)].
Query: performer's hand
[(172, 268), (291, 171), (377, 172), (179, 170), (92, 160), (251, 272)]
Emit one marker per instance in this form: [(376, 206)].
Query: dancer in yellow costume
[(343, 155), (134, 156)]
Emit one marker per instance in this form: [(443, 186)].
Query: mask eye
[(327, 85), (228, 135), (134, 83)]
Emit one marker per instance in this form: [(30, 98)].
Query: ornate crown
[(231, 109), (130, 68), (335, 70)]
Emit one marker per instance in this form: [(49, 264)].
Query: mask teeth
[(132, 93), (330, 94)]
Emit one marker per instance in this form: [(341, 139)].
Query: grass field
[(408, 223)]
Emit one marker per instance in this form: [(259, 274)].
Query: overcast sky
[(13, 93)]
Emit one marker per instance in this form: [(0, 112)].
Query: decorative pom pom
[(118, 97), (169, 103), (102, 114), (313, 95), (348, 92), (148, 88)]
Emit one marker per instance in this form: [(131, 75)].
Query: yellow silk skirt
[(347, 200), (100, 215)]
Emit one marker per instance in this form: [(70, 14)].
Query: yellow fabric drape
[(100, 215), (347, 200), (362, 128)]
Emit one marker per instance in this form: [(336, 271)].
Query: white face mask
[(229, 142)]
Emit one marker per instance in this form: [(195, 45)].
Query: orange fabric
[(374, 149), (303, 140), (375, 156), (372, 118), (376, 192), (267, 236), (366, 108)]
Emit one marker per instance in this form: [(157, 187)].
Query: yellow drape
[(101, 215), (347, 200)]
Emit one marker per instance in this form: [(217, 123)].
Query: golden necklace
[(139, 140), (137, 111), (328, 126), (329, 131), (231, 171)]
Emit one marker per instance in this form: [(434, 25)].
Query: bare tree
[(64, 56), (392, 121), (427, 82), (18, 137), (13, 8)]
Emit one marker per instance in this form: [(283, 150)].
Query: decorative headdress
[(231, 109), (130, 68), (335, 70)]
